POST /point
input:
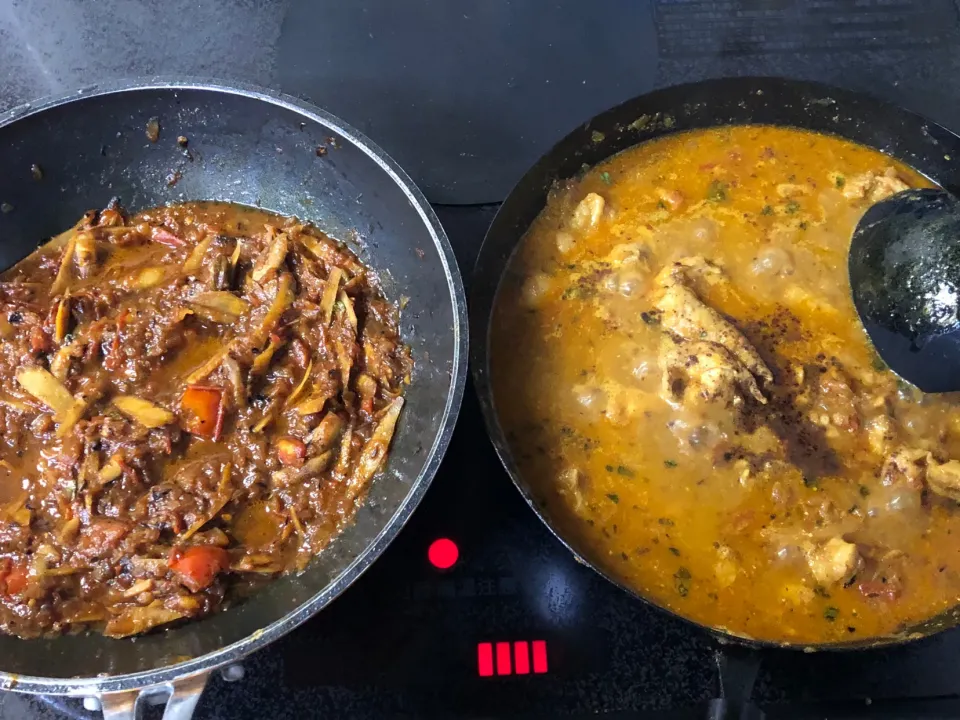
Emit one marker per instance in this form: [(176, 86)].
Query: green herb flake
[(625, 471), (675, 551), (821, 591), (767, 210), (864, 491), (670, 463), (906, 389), (681, 581), (792, 207), (803, 225), (642, 122), (661, 205), (613, 497), (597, 137), (840, 181), (717, 191), (665, 521), (609, 468), (877, 363), (830, 614), (605, 177)]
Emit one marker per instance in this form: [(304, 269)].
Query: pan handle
[(182, 697), (737, 668)]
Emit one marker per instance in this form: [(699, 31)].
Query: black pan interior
[(931, 149), (259, 150)]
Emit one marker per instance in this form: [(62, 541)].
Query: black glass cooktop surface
[(466, 96)]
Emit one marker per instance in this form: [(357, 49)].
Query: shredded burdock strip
[(111, 470), (235, 257), (52, 393), (348, 310), (138, 587), (63, 274), (208, 367), (327, 252), (262, 360), (223, 498), (296, 522), (281, 302), (344, 457), (143, 411), (62, 319), (301, 386), (219, 306), (273, 257), (375, 449), (312, 403), (195, 259), (329, 297)]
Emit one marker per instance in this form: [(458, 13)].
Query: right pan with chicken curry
[(673, 372)]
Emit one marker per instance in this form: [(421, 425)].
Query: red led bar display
[(497, 657), (485, 659), (539, 656), (503, 658), (521, 657)]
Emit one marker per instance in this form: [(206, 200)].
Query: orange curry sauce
[(685, 385)]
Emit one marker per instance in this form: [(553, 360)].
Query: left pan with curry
[(155, 310)]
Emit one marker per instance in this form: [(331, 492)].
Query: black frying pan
[(258, 148), (926, 146)]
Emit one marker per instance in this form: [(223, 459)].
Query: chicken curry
[(686, 388), (193, 400)]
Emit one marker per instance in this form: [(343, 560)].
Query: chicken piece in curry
[(685, 386), (193, 400)]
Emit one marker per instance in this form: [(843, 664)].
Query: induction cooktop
[(476, 610)]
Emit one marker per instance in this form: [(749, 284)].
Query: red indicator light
[(503, 658), (521, 657), (485, 659), (443, 553), (539, 656)]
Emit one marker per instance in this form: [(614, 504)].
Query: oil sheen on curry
[(193, 401), (686, 387)]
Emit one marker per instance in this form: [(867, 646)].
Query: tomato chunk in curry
[(686, 387)]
